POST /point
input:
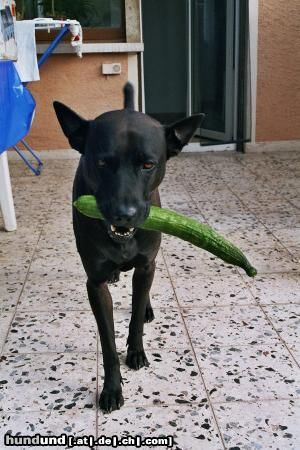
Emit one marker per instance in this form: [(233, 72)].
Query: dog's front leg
[(141, 284), (100, 299)]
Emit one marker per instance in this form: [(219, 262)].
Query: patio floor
[(223, 349)]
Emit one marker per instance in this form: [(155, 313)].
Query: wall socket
[(111, 69)]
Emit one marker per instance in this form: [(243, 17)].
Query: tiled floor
[(223, 349)]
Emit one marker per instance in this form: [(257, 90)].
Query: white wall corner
[(253, 34), (133, 77)]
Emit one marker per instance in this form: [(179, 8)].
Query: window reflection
[(90, 13)]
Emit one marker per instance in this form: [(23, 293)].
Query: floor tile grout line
[(259, 220), (264, 313), (25, 278), (160, 308), (164, 406), (280, 337), (54, 352), (257, 400), (247, 287), (149, 349), (282, 196), (196, 360)]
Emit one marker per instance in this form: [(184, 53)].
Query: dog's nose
[(124, 216)]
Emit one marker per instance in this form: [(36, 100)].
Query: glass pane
[(209, 61), (165, 31), (90, 13)]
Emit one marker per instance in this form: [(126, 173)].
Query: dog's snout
[(125, 216)]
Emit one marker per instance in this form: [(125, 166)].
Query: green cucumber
[(183, 227)]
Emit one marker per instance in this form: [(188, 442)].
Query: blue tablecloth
[(17, 107)]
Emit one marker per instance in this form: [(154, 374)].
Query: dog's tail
[(128, 96)]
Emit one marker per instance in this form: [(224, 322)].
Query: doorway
[(190, 63)]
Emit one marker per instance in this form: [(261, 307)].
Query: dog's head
[(124, 158)]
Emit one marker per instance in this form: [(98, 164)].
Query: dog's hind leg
[(100, 299), (149, 314), (141, 284)]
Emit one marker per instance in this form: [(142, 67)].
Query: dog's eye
[(101, 163), (148, 165)]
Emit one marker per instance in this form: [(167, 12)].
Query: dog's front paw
[(136, 359), (111, 399)]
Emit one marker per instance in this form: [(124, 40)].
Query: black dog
[(123, 161)]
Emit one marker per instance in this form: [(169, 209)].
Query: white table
[(6, 198)]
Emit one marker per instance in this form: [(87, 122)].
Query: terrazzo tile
[(19, 237), (280, 220), (255, 237), (12, 272), (54, 294), (181, 206), (79, 422), (166, 330), (57, 381), (267, 184), (52, 331), (261, 372), (58, 266), (212, 291), (121, 292), (295, 251), (5, 320), (52, 247), (162, 293), (227, 326), (231, 222), (275, 288), (261, 426), (171, 378), (204, 190), (11, 251), (212, 210), (294, 199), (185, 260), (288, 236), (266, 203), (209, 266), (30, 219), (192, 427), (174, 247), (286, 320), (56, 237), (9, 295), (12, 278), (271, 260)]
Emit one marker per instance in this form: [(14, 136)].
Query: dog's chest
[(122, 254)]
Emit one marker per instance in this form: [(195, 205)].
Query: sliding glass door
[(212, 66), (165, 35), (189, 62)]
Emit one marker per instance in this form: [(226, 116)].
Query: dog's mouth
[(121, 234)]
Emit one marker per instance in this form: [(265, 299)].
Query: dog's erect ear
[(180, 133), (74, 127)]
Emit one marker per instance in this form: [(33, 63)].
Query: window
[(103, 20)]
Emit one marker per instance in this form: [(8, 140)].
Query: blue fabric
[(17, 107)]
